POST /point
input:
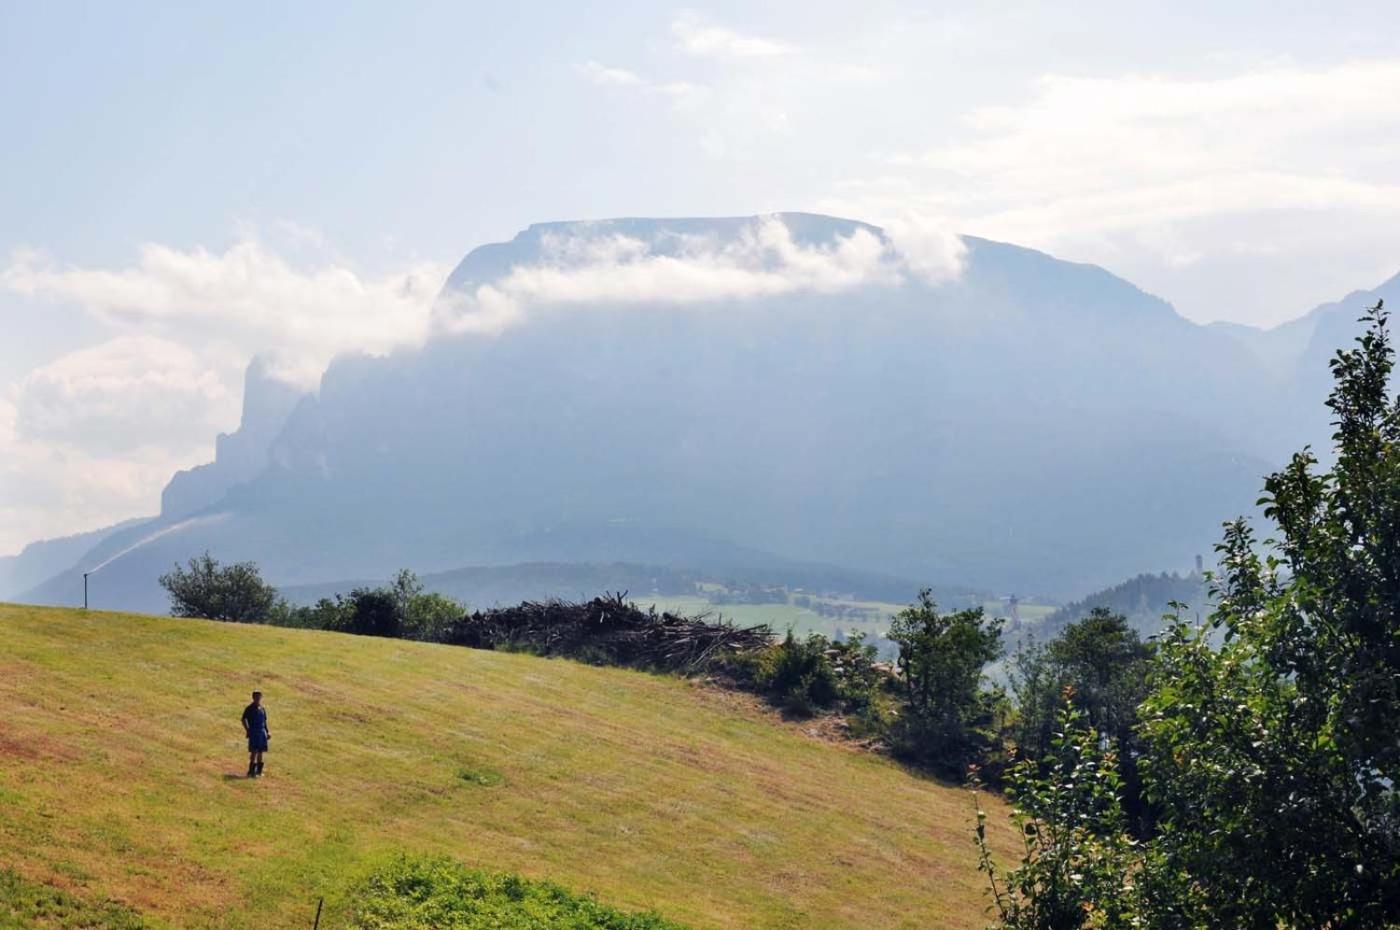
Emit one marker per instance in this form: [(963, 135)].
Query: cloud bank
[(1195, 187), (91, 437), (602, 267)]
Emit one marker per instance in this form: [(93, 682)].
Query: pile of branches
[(609, 630)]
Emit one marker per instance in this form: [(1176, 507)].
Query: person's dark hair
[(257, 694)]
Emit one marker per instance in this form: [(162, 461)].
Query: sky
[(183, 186)]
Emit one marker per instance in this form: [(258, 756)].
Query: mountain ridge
[(1002, 429)]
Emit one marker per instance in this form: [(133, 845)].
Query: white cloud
[(703, 40), (929, 245), (608, 77), (680, 94), (598, 266), (125, 394), (91, 437), (1152, 174), (241, 301), (58, 488)]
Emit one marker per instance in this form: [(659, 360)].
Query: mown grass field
[(121, 778)]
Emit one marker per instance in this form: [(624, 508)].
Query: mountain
[(492, 585), (667, 392), (238, 456), (41, 560)]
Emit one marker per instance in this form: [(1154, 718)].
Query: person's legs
[(252, 764), (260, 764)]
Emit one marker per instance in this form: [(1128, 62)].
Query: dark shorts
[(257, 742)]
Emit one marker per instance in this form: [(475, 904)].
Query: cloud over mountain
[(596, 264)]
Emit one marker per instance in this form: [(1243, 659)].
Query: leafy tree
[(1103, 663), (422, 616), (941, 660), (401, 609), (1078, 866), (371, 612), (1269, 735), (210, 591), (1275, 758)]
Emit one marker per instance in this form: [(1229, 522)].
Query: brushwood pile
[(609, 630)]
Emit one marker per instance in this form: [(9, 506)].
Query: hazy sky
[(184, 185)]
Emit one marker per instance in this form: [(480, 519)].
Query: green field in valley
[(122, 783), (869, 617)]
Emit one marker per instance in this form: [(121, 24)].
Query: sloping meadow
[(123, 782)]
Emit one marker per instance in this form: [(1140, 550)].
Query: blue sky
[(183, 185)]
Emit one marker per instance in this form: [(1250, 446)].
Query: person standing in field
[(255, 726)]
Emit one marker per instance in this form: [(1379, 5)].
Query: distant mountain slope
[(238, 456), (45, 558), (491, 585), (1144, 600), (646, 789), (670, 392)]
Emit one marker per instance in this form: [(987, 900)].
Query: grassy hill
[(122, 779)]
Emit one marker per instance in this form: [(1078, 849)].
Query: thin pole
[(317, 924), (85, 574)]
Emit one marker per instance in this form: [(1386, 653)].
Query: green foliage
[(400, 610), (812, 674), (34, 906), (802, 677), (947, 709), (1275, 757), (1078, 867), (1268, 737), (1104, 664), (213, 592), (439, 894)]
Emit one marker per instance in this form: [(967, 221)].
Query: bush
[(1105, 665), (947, 710), (805, 676), (803, 679), (210, 591), (416, 893), (400, 610)]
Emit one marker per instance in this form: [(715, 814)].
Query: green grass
[(416, 892), (802, 620), (122, 779), (30, 905), (780, 617)]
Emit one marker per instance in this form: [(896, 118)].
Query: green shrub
[(433, 893), (813, 674)]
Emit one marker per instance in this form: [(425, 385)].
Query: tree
[(1269, 734), (400, 610), (207, 590), (1103, 663), (422, 616), (1078, 866), (1274, 758), (941, 659)]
